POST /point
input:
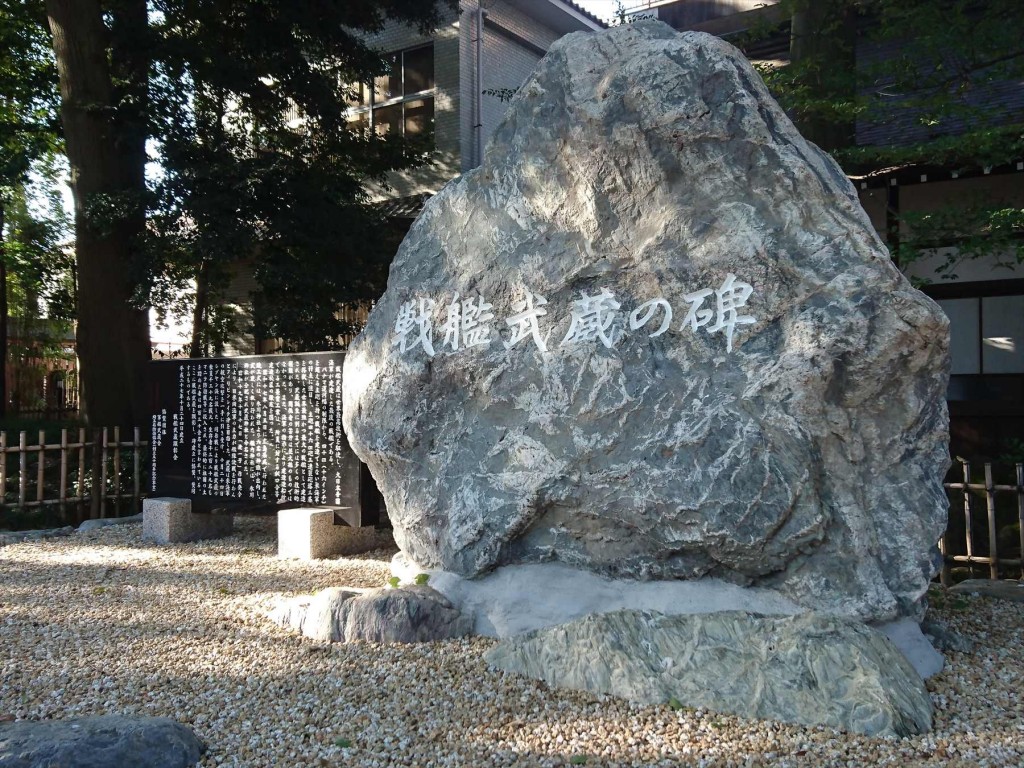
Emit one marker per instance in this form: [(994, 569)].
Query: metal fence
[(92, 474), (986, 520)]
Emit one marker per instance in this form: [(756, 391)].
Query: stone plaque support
[(167, 520), (312, 533)]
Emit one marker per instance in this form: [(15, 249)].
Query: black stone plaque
[(257, 429)]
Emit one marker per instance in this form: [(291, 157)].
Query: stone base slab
[(515, 599), (167, 520), (310, 533)]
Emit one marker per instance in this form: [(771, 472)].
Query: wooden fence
[(92, 474), (984, 518), (98, 474)]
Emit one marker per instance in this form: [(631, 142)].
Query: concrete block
[(168, 520), (310, 533)]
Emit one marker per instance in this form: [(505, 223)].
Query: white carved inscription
[(593, 317), (467, 323), (524, 322), (597, 318)]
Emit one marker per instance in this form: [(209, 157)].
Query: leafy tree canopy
[(922, 83), (238, 107), (261, 163), (29, 125)]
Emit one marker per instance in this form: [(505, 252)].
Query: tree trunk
[(824, 41), (106, 149), (200, 331)]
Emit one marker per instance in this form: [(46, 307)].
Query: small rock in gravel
[(103, 522), (107, 741), (945, 639), (414, 614), (16, 537), (1002, 590)]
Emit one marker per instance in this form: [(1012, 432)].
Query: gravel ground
[(101, 623)]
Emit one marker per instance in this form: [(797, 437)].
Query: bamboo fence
[(99, 474), (92, 474), (979, 505)]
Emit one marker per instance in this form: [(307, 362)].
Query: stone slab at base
[(310, 533), (167, 520), (515, 599)]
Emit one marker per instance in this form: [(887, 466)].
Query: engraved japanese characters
[(597, 317), (251, 428), (655, 336)]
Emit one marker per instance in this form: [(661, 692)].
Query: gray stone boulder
[(17, 537), (105, 741), (785, 427), (88, 526), (1012, 591), (413, 614), (806, 669), (515, 599)]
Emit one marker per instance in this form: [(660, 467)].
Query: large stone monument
[(652, 355), (654, 341), (655, 336)]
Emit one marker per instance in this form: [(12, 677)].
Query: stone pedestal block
[(310, 533), (171, 521)]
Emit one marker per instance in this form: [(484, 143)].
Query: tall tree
[(823, 40), (261, 162), (211, 82), (103, 68)]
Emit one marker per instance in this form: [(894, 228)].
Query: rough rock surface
[(16, 537), (803, 450), (514, 599), (102, 522), (1001, 590), (415, 614), (105, 741), (806, 669)]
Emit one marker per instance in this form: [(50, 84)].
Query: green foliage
[(29, 123), (921, 70), (393, 582), (40, 263), (978, 229), (261, 163), (1013, 451), (927, 79), (245, 103), (343, 742), (40, 269), (941, 598), (621, 17), (421, 578)]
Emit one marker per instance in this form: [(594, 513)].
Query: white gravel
[(101, 623)]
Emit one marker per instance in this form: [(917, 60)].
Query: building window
[(986, 334), (402, 100)]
